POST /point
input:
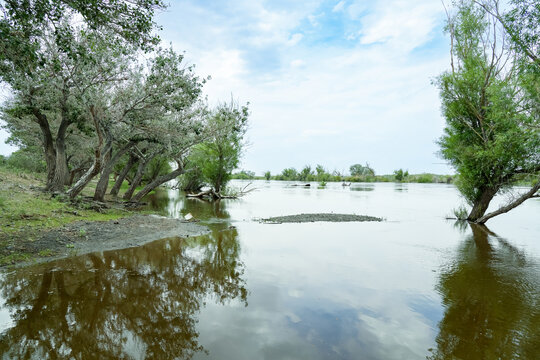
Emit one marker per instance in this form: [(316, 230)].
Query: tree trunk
[(207, 193), (61, 172), (103, 182), (158, 181), (481, 205), (73, 173), (136, 180), (116, 188), (48, 145), (98, 158), (518, 201), (90, 174)]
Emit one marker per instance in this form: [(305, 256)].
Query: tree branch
[(529, 194)]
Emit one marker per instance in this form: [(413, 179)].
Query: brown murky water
[(412, 287)]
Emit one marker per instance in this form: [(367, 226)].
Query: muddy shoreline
[(85, 237)]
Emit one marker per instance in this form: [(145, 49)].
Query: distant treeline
[(357, 173)]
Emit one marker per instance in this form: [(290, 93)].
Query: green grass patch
[(14, 258), (45, 253), (31, 210)]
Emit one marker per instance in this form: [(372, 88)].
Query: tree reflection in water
[(134, 303), (492, 299)]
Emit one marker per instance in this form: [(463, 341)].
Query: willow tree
[(220, 154), (491, 136), (141, 110), (40, 48)]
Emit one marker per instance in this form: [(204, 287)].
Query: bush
[(192, 180), (425, 178), (244, 175), (461, 213), (401, 175), (26, 160)]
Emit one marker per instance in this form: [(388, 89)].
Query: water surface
[(412, 287)]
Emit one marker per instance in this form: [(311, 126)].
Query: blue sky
[(329, 82)]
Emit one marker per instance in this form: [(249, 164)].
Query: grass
[(14, 258), (34, 210), (45, 253), (461, 213)]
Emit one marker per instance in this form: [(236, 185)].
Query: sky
[(329, 82)]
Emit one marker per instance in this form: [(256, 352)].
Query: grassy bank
[(26, 212)]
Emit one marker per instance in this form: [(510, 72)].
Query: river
[(413, 286)]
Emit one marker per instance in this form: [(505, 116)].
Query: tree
[(60, 95), (45, 46), (491, 136), (289, 174), (360, 170), (400, 175), (305, 174), (148, 110), (321, 173), (267, 175), (24, 24), (220, 154)]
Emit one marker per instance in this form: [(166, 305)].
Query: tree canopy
[(82, 89), (491, 136)]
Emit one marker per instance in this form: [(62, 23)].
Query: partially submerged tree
[(361, 170), (306, 174), (220, 154), (401, 175), (491, 136)]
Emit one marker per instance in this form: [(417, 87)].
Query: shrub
[(425, 178), (26, 160)]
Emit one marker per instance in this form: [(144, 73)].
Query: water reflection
[(174, 204), (363, 187), (491, 294), (401, 187), (135, 303), (205, 210)]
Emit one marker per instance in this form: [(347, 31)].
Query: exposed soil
[(302, 218), (85, 237)]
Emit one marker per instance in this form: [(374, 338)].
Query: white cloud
[(339, 6), (322, 103), (298, 63), (314, 19), (295, 39), (403, 25)]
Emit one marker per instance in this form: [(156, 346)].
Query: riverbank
[(83, 237), (35, 226)]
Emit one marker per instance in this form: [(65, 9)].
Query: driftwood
[(213, 195), (206, 194)]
